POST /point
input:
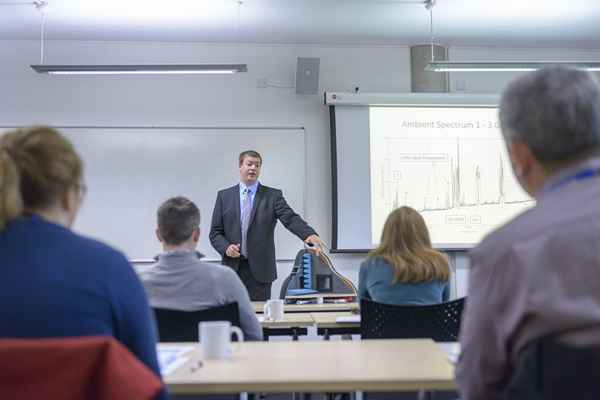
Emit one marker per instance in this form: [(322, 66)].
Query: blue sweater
[(375, 283), (55, 283)]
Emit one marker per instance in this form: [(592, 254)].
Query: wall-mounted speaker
[(307, 75)]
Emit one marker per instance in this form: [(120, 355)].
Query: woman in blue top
[(53, 282), (404, 268)]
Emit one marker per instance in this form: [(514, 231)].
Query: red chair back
[(95, 368)]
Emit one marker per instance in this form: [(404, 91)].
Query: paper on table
[(348, 318), (171, 357)]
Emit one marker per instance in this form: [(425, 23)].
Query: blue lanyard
[(580, 176)]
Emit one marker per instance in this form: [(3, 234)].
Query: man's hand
[(233, 251), (317, 247)]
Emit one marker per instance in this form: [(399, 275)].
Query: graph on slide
[(455, 172)]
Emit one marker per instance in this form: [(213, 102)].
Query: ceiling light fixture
[(115, 69), (140, 69), (495, 66), (501, 66)]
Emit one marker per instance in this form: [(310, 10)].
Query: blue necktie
[(246, 211)]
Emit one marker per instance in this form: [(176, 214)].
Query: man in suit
[(243, 227)]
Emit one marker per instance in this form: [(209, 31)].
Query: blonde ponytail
[(11, 202)]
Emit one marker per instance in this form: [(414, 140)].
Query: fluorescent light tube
[(501, 66), (140, 69)]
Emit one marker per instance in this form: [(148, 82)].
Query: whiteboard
[(131, 171)]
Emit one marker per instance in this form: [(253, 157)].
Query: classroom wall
[(236, 100)]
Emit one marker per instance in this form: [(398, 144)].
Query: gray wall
[(230, 100)]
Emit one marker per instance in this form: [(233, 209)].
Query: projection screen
[(447, 161)]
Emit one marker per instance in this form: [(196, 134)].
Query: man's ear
[(196, 235), (529, 171), (521, 158), (160, 239)]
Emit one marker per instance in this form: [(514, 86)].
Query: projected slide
[(450, 164)]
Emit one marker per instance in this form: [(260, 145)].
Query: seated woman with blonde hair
[(56, 283), (404, 268)]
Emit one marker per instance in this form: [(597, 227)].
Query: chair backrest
[(439, 322), (93, 367), (182, 326), (548, 370), (312, 274)]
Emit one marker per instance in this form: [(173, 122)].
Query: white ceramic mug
[(273, 310), (215, 339)]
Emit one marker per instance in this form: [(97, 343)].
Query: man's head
[(550, 119), (178, 224), (250, 163)]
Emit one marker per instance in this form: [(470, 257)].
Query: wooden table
[(289, 320), (292, 324), (329, 319), (339, 366), (292, 308), (326, 323)]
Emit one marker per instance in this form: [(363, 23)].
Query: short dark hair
[(177, 219), (250, 153)]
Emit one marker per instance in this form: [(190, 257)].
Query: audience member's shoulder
[(367, 262), (364, 266), (146, 272), (98, 253), (501, 240), (223, 274), (218, 270), (372, 263)]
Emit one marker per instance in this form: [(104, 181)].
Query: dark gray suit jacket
[(268, 207)]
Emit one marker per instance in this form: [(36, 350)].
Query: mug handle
[(267, 311), (239, 335)]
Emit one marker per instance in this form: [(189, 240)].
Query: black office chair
[(548, 370), (182, 326), (439, 322)]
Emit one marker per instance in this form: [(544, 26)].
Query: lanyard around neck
[(579, 176)]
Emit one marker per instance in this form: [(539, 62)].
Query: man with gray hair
[(539, 275), (180, 280)]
